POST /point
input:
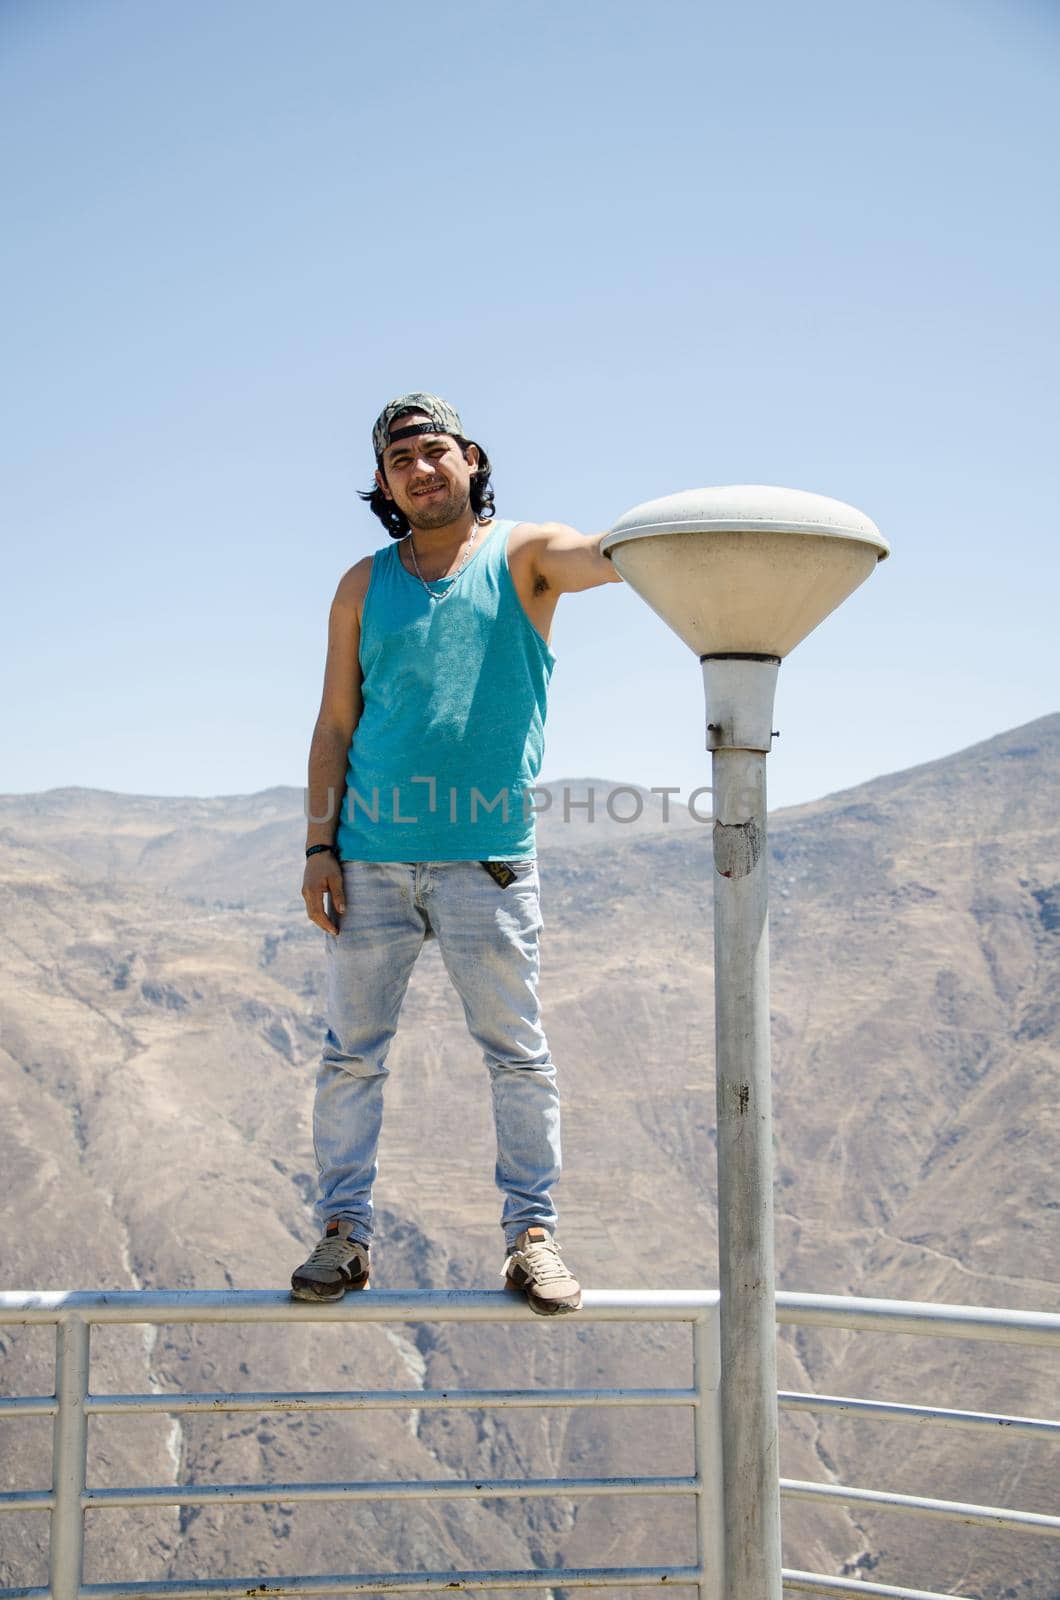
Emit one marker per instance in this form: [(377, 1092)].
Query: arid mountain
[(161, 1009)]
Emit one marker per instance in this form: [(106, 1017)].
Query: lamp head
[(744, 569)]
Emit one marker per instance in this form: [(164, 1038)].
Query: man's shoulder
[(532, 532), (353, 585), (530, 539), (352, 588)]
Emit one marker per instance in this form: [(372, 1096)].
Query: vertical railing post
[(68, 1458), (710, 1505)]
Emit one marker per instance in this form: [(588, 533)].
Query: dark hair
[(397, 524)]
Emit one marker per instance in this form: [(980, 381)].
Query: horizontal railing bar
[(952, 1510), (27, 1500), (817, 1583), (394, 1583), (484, 1305), (28, 1405), (888, 1411), (919, 1317), (386, 1399), (472, 1399), (26, 1593), (377, 1305), (187, 1494)]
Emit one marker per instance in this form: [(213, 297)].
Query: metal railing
[(71, 1405)]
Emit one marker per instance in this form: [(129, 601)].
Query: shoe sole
[(544, 1308), (328, 1296)]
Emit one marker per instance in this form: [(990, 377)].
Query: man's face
[(427, 476)]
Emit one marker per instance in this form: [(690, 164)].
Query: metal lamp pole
[(739, 695), (742, 573)]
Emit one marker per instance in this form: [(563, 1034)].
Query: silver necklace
[(445, 593)]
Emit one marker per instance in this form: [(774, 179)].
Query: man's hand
[(323, 875)]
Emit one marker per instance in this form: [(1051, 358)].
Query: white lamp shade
[(748, 569)]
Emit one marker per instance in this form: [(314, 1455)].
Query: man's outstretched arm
[(568, 560)]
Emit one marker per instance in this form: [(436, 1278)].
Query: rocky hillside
[(161, 1014)]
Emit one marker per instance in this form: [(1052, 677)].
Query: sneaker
[(338, 1263), (535, 1267)]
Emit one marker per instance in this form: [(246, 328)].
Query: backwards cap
[(443, 420)]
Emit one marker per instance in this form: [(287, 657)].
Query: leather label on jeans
[(500, 872)]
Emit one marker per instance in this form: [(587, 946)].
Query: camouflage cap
[(443, 419)]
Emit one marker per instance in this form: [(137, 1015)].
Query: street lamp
[(742, 574)]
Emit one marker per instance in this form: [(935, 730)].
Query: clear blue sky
[(641, 247)]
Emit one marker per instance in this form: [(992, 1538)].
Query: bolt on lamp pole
[(742, 574)]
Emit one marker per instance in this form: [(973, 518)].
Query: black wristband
[(315, 849)]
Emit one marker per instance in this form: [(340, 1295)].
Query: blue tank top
[(450, 739)]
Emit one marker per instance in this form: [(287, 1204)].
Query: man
[(431, 727)]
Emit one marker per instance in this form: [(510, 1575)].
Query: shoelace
[(333, 1253), (542, 1260)]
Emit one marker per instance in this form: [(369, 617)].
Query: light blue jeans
[(488, 939)]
